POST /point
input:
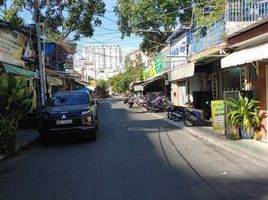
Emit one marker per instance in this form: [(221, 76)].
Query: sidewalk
[(252, 150), (25, 137)]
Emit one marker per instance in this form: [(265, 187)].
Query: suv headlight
[(86, 112)]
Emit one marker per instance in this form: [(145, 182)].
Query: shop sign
[(218, 115), (149, 72), (177, 50), (11, 47), (156, 68)]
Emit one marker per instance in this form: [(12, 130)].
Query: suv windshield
[(69, 99)]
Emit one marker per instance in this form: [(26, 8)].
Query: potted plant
[(243, 114)]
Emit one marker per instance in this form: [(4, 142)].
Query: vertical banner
[(218, 115)]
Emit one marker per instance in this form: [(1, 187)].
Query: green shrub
[(231, 135), (8, 136)]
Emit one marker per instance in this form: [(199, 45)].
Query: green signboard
[(158, 66)]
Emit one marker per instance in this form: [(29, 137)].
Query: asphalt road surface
[(136, 157)]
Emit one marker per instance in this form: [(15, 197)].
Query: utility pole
[(42, 77), (95, 77)]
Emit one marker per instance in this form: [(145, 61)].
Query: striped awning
[(248, 55)]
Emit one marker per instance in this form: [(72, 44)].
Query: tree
[(134, 72), (207, 12), (59, 17), (10, 11), (152, 20), (103, 84)]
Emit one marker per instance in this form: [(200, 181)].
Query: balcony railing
[(246, 10), (205, 37), (240, 14)]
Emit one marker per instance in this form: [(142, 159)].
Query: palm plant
[(243, 114), (15, 103)]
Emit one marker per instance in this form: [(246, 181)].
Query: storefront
[(179, 79), (156, 76), (248, 70)]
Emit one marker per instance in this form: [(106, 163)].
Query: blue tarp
[(48, 48)]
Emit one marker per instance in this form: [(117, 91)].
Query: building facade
[(106, 59), (133, 55)]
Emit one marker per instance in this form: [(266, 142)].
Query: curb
[(23, 143)]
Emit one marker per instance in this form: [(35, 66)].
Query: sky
[(108, 32)]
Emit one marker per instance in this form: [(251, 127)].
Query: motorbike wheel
[(169, 115), (188, 121), (176, 118)]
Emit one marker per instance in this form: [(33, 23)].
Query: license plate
[(67, 121)]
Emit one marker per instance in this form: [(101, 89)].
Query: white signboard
[(179, 51), (11, 47)]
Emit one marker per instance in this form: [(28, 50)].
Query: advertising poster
[(218, 115)]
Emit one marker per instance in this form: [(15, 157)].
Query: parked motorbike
[(130, 102), (193, 117), (160, 103), (125, 100), (176, 113)]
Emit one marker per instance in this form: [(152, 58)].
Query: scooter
[(193, 117), (130, 102), (126, 100), (176, 113)]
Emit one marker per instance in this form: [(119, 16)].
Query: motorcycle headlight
[(86, 112)]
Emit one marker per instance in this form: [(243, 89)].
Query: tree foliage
[(67, 17), (10, 11), (152, 20), (134, 72), (103, 84), (208, 11)]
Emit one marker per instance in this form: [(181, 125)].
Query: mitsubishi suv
[(69, 112)]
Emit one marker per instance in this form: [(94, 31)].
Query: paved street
[(136, 156)]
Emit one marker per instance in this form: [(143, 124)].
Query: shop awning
[(182, 72), (54, 81), (81, 82), (19, 71), (249, 55), (147, 82)]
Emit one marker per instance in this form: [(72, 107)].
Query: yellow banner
[(218, 115), (11, 47), (92, 83), (151, 70)]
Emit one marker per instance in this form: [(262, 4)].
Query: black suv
[(69, 112)]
